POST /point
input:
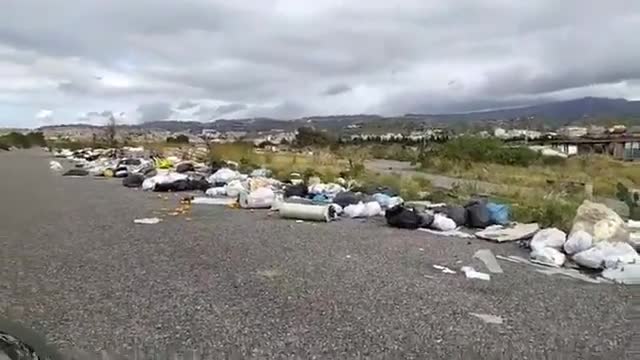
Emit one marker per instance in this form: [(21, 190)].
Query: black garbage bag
[(346, 198), (198, 184), (478, 215), (184, 167), (133, 180), (178, 185), (76, 172), (150, 172), (401, 217), (427, 219), (300, 190), (456, 213), (134, 162)]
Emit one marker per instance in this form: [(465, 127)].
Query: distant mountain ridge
[(553, 114)]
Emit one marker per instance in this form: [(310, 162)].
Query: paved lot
[(235, 282)]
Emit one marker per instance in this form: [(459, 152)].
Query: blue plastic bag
[(498, 213)]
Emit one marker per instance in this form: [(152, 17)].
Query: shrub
[(480, 150)]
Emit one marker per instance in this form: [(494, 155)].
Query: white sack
[(577, 242), (551, 237)]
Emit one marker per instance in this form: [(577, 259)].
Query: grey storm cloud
[(376, 55), (154, 111), (337, 89)]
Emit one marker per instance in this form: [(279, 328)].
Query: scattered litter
[(489, 260), (299, 221), (454, 233), (348, 256), (147, 221), (443, 223), (444, 269), (55, 166), (489, 319), (571, 273), (548, 256), (212, 201), (470, 273), (504, 234), (421, 249)]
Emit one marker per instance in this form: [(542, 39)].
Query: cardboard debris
[(504, 234)]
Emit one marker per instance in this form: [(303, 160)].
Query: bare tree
[(111, 132)]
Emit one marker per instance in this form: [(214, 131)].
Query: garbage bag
[(548, 256), (607, 255), (300, 190), (234, 188), (443, 223), (498, 213), (456, 213), (55, 166), (216, 191), (427, 219), (76, 172), (372, 208), (382, 199), (321, 199), (346, 198), (133, 180), (578, 241), (223, 176), (602, 223), (550, 237), (330, 189), (184, 167), (121, 173), (150, 183), (261, 173), (129, 162), (478, 215), (261, 198), (403, 218), (355, 210)]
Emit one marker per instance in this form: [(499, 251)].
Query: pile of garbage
[(599, 240)]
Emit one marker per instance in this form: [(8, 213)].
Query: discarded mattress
[(504, 234)]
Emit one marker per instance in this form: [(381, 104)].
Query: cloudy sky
[(65, 61)]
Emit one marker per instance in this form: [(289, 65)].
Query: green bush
[(546, 212), (22, 141), (468, 149)]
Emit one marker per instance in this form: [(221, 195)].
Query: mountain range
[(589, 110)]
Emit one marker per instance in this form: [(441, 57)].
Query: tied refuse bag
[(498, 213), (167, 178), (261, 198), (234, 188), (607, 255), (551, 237), (133, 180), (363, 210), (442, 223), (216, 191), (456, 213), (401, 217), (578, 241), (602, 223), (223, 176), (299, 190), (386, 201), (478, 215), (346, 198), (548, 256), (185, 167)]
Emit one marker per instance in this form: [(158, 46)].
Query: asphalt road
[(243, 284)]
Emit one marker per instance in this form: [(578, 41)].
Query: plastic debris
[(602, 223), (498, 213), (147, 221), (55, 166), (548, 256), (444, 269), (504, 234), (571, 273), (443, 223), (607, 255), (489, 260), (628, 274), (216, 191), (489, 319), (470, 273), (261, 198), (452, 233), (306, 212), (212, 201)]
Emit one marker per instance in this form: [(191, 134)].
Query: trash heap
[(599, 240)]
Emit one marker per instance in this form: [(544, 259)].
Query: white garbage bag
[(577, 242), (601, 222), (261, 198), (55, 166), (552, 237), (216, 191), (443, 223), (234, 188), (223, 176), (548, 256), (355, 210), (607, 255), (372, 208)]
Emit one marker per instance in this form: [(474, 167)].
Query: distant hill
[(555, 114)]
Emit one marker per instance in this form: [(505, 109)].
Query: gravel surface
[(238, 283)]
